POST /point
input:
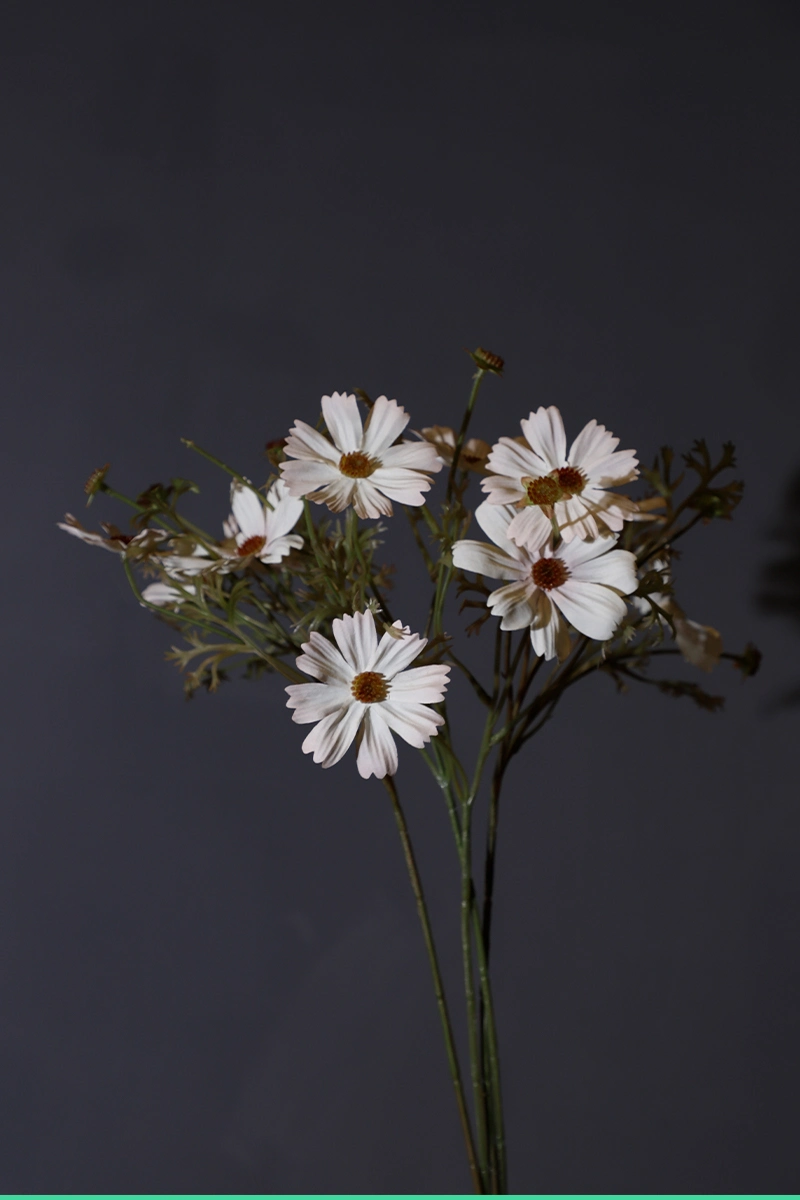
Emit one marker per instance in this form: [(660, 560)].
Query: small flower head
[(113, 539), (487, 361), (474, 451), (365, 685), (360, 464), (544, 482), (580, 582), (262, 530), (95, 482)]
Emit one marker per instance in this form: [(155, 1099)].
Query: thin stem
[(438, 985), (462, 433)]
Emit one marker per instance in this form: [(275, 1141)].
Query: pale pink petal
[(308, 443), (343, 421), (544, 432), (501, 489), (386, 421), (334, 734), (323, 661), (357, 639), (591, 608), (377, 754), (484, 559), (613, 470)]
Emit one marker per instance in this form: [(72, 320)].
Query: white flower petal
[(500, 489), (494, 519), (699, 644), (304, 476), (589, 607), (377, 754), (386, 421), (343, 421), (616, 569), (394, 654), (484, 559), (422, 685), (248, 510), (613, 470), (285, 512), (400, 484), (415, 456), (511, 459), (592, 444), (515, 603), (323, 661), (547, 629), (530, 528), (337, 494), (313, 701), (333, 736), (368, 500), (277, 548), (414, 723), (308, 443), (544, 432), (357, 639)]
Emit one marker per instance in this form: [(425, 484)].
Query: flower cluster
[(553, 517)]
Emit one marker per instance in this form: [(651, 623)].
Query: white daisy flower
[(581, 581), (364, 683), (700, 645), (360, 466), (262, 530), (541, 479)]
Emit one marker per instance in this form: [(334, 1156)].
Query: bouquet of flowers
[(574, 575)]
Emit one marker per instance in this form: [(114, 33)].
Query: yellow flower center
[(251, 545), (370, 687), (549, 573), (357, 465)]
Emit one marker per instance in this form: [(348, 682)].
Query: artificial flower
[(700, 645), (580, 581), (474, 451), (262, 530), (366, 684), (546, 483), (360, 466)]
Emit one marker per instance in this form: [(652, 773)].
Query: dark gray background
[(213, 213)]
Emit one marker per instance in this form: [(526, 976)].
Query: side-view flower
[(361, 465), (581, 581), (544, 482), (366, 684), (263, 529)]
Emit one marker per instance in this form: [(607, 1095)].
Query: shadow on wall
[(780, 580)]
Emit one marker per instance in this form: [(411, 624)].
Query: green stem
[(438, 985), (462, 433)]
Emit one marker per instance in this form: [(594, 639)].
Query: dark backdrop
[(213, 213)]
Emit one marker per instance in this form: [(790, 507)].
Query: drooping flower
[(360, 466), (262, 530), (542, 480), (113, 539), (366, 684), (474, 451), (580, 581), (165, 595), (700, 645)]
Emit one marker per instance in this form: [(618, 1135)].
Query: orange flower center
[(549, 573), (356, 465), (571, 480), (251, 545), (558, 485), (370, 687)]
